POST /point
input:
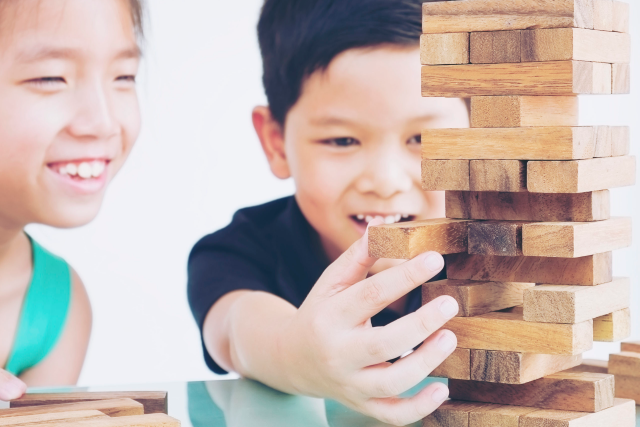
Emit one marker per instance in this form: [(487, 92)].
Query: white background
[(196, 162)]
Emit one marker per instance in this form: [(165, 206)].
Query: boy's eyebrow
[(330, 121)]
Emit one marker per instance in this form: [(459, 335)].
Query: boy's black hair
[(300, 37)]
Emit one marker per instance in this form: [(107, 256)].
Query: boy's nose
[(386, 175), (94, 118)]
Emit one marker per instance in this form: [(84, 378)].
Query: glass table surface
[(246, 403)]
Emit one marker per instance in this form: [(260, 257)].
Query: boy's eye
[(416, 139), (341, 142)]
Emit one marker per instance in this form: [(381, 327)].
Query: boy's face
[(68, 107), (352, 143)]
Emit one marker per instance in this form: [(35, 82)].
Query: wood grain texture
[(625, 363), (508, 367), (501, 416), (39, 419), (523, 111), (620, 141), (566, 391), (604, 147), (504, 331), (620, 16), (581, 176), (621, 79), (476, 298), (499, 238), (593, 366), (112, 408), (585, 271), (580, 207), (628, 387), (603, 15), (454, 414), (633, 346), (495, 47), (448, 48), (621, 414), (612, 327), (534, 143), (151, 420), (574, 304), (440, 175), (575, 239), (556, 78), (456, 366), (153, 401), (496, 15), (498, 175), (577, 44)]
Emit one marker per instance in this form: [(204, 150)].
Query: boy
[(342, 79)]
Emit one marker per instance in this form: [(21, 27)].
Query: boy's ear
[(271, 137)]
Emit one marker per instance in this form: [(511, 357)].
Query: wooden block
[(556, 78), (625, 363), (620, 16), (499, 238), (440, 175), (497, 15), (633, 346), (566, 391), (456, 366), (496, 47), (448, 48), (112, 408), (534, 143), (592, 365), (475, 298), (508, 367), (562, 44), (153, 401), (580, 176), (628, 387), (498, 175), (604, 145), (523, 111), (501, 416), (454, 414), (575, 239), (504, 331), (580, 207), (621, 79), (603, 15), (40, 419), (613, 327), (573, 304), (407, 240), (621, 414), (620, 141), (151, 420), (585, 271)]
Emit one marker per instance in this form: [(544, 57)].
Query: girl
[(68, 119)]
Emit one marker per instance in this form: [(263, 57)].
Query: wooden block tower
[(528, 236)]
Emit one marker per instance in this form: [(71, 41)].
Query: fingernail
[(440, 395), (10, 390), (446, 343), (449, 307), (434, 262)]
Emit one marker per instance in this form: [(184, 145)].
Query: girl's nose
[(94, 118)]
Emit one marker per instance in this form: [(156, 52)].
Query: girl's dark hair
[(137, 14)]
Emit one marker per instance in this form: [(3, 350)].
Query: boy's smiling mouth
[(365, 218)]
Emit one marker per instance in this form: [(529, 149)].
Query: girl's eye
[(46, 81), (341, 142), (416, 139), (131, 79)]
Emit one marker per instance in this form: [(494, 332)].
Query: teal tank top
[(44, 311)]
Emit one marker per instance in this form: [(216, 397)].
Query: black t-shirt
[(270, 248)]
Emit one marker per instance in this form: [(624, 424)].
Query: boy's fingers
[(393, 380), (406, 333), (368, 297), (11, 388), (400, 412)]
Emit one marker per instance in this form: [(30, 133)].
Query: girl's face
[(68, 107)]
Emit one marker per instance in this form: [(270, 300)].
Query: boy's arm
[(327, 347), (63, 365)]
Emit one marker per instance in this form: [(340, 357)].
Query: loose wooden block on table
[(500, 238), (621, 79), (625, 363), (620, 141), (580, 176), (440, 175), (151, 420), (523, 111), (498, 175), (508, 367), (566, 391), (575, 239), (603, 15), (534, 143), (585, 271), (496, 15), (40, 419), (556, 78), (407, 240), (612, 327), (628, 387), (633, 346), (495, 47), (620, 16), (457, 365), (621, 414), (580, 207), (500, 416), (476, 298), (153, 401), (454, 414), (593, 366), (573, 304), (504, 331), (448, 48), (112, 408)]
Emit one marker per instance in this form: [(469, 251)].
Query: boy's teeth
[(390, 219), (398, 217), (368, 219), (360, 217)]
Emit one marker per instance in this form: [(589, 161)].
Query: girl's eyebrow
[(48, 52)]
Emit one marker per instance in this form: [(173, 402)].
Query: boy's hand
[(10, 387), (329, 347)]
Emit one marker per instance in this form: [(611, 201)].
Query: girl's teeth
[(72, 169), (63, 170), (97, 168), (85, 170)]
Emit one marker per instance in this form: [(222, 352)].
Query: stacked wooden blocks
[(528, 235), (111, 409), (626, 368)]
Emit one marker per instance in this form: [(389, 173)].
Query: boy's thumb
[(11, 388)]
